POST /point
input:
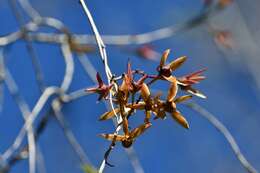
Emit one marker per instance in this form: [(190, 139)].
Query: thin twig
[(67, 80), (40, 161), (225, 132), (102, 50), (2, 76), (91, 71), (41, 126), (62, 39), (48, 92), (68, 56), (24, 108), (6, 165), (162, 33), (134, 160), (42, 100), (29, 47), (34, 14), (39, 79), (57, 105), (103, 54)]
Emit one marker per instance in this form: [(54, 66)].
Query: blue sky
[(231, 87)]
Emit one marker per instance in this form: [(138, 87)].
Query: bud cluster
[(126, 90)]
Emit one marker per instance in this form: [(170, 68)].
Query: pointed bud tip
[(103, 118), (102, 135), (184, 57), (187, 126), (90, 90), (167, 51), (148, 125), (201, 95)]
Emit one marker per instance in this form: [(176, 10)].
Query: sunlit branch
[(103, 54), (91, 71)]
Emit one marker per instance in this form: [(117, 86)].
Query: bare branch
[(225, 132), (57, 105), (162, 33), (29, 47), (40, 161), (25, 110), (134, 160), (91, 71), (2, 75), (29, 121), (27, 32), (29, 9)]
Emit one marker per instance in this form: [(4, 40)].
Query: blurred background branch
[(53, 100)]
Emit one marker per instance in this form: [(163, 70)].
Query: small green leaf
[(89, 169)]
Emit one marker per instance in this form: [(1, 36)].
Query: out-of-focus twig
[(29, 47), (162, 33), (41, 126), (2, 76), (42, 100), (40, 161), (15, 158), (68, 72), (225, 132), (57, 105), (27, 32), (29, 121), (34, 14), (25, 110), (134, 160), (39, 78)]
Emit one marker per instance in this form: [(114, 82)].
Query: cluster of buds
[(124, 96)]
